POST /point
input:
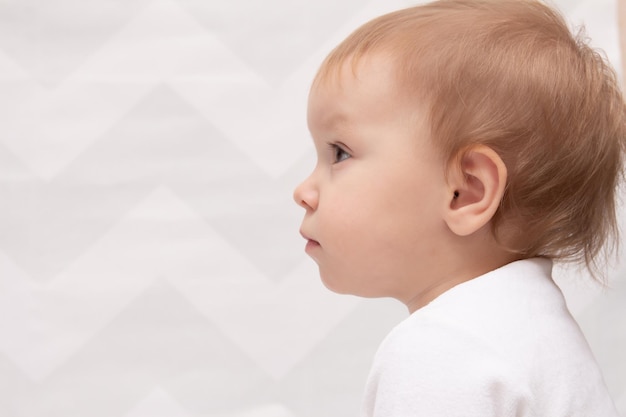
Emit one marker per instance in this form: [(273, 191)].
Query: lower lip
[(310, 245)]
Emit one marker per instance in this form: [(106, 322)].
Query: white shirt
[(502, 344)]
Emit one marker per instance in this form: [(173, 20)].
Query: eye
[(338, 153)]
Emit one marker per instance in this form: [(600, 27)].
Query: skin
[(381, 216)]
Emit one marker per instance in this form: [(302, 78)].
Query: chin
[(334, 285), (341, 287)]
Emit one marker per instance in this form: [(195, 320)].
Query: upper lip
[(305, 236)]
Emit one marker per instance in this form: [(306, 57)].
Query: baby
[(462, 146)]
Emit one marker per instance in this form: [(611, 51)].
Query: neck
[(468, 258)]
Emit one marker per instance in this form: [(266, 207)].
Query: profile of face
[(374, 201)]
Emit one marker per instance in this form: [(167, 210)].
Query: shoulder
[(501, 345), (430, 365)]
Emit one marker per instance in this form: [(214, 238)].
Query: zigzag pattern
[(150, 263)]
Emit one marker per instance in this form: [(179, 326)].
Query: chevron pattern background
[(150, 263)]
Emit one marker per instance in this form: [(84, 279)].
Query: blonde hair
[(509, 74)]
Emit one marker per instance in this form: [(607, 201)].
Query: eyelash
[(339, 154)]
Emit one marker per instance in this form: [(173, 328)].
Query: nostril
[(306, 194), (303, 202), (306, 199)]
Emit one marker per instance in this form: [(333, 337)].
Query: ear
[(477, 186)]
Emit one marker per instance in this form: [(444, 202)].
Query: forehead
[(364, 84)]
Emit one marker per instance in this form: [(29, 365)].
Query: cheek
[(385, 208), (401, 228)]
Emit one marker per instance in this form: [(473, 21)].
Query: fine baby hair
[(509, 74)]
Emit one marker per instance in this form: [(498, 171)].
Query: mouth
[(311, 244)]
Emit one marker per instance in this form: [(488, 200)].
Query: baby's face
[(375, 199)]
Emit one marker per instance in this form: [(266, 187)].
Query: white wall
[(150, 263)]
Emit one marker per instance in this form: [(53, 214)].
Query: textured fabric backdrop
[(150, 263)]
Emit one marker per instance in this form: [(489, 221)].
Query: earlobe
[(476, 186)]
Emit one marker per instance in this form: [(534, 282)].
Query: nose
[(306, 194)]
